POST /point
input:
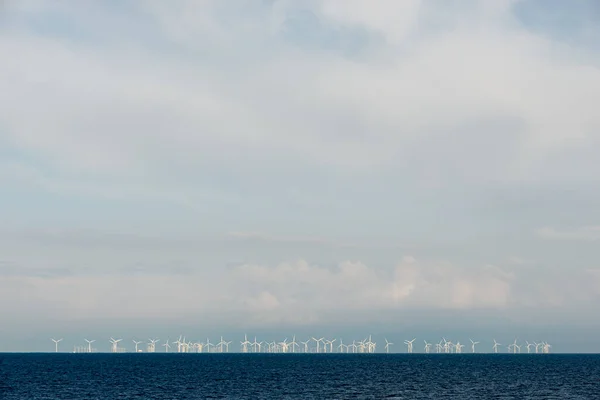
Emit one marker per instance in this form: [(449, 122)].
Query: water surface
[(299, 376)]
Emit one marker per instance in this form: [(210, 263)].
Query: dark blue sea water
[(298, 376)]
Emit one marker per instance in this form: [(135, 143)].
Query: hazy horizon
[(415, 168)]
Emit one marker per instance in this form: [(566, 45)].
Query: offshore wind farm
[(312, 345)]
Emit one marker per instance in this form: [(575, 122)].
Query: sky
[(415, 168)]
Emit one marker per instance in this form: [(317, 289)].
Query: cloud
[(298, 293), (585, 233), (321, 130), (303, 288), (313, 240), (118, 113), (284, 239)]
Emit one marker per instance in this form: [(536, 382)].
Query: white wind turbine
[(152, 345), (245, 344), (89, 342), (409, 343), (330, 342), (439, 347), (473, 345), (136, 345), (220, 345), (56, 342), (547, 347), (293, 343), (199, 347), (179, 344), (515, 346), (449, 346), (362, 346), (255, 346), (166, 345), (305, 345), (427, 347), (496, 344), (529, 346), (387, 346), (284, 345), (354, 346), (446, 345), (318, 341), (115, 344)]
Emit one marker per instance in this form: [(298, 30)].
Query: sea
[(298, 376)]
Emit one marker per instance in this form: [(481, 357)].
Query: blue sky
[(300, 166)]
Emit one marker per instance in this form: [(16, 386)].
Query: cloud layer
[(273, 161)]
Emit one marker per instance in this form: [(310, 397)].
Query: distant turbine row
[(312, 345)]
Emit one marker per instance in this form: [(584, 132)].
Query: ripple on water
[(298, 376)]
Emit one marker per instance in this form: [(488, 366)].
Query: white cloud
[(267, 295), (585, 233), (392, 19), (112, 111), (303, 288), (355, 126)]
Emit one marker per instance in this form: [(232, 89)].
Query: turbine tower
[(409, 343), (387, 346), (56, 342), (496, 344), (473, 345), (427, 347), (115, 344), (152, 345), (529, 346), (136, 345), (89, 342)]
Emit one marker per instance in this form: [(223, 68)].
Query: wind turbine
[(245, 344), (115, 344), (409, 343), (220, 345), (293, 343), (473, 345), (331, 344), (387, 346), (341, 346), (167, 346), (529, 346), (136, 345), (152, 345), (56, 342), (446, 345), (255, 346), (305, 345), (318, 343), (496, 344), (354, 346), (547, 347), (284, 346), (178, 343), (428, 347), (89, 342), (515, 346)]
